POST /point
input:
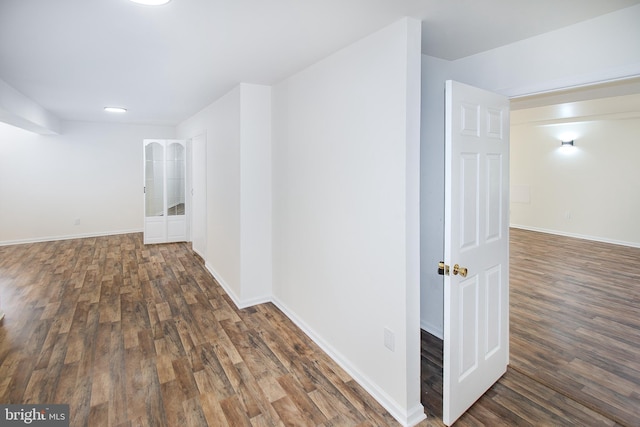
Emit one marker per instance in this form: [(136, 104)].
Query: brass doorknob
[(459, 270)]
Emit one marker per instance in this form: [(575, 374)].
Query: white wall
[(345, 209), (590, 191), (221, 123), (599, 49), (255, 197), (238, 190), (92, 172), (434, 72)]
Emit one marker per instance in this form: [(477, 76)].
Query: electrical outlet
[(77, 221), (389, 339)]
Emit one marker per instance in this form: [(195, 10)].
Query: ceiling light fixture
[(567, 143), (115, 109), (151, 2)]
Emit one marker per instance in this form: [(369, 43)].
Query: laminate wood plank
[(146, 344), (194, 415), (235, 412), (172, 398), (99, 415), (212, 410), (350, 397), (155, 413), (227, 365), (566, 410), (171, 339), (290, 414), (14, 392), (47, 348), (65, 383), (614, 405), (188, 344), (263, 410), (184, 377), (81, 399), (34, 391), (213, 377), (244, 393), (301, 399), (87, 360), (134, 384), (323, 403), (373, 411), (117, 391), (342, 404)]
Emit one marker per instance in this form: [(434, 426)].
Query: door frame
[(193, 184)]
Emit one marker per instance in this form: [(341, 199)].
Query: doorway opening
[(595, 377)]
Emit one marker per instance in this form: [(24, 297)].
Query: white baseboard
[(577, 236), (432, 329), (414, 416), (238, 301), (225, 285), (197, 251), (407, 418), (68, 237), (245, 303)]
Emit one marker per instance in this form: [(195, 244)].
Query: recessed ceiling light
[(115, 109), (151, 2)]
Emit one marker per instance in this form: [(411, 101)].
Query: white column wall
[(238, 129), (255, 197), (345, 210), (221, 123)]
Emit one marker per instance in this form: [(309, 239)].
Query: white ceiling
[(73, 57)]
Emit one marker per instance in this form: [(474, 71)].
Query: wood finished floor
[(134, 335), (575, 320), (574, 339)]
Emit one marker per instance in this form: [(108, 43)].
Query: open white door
[(476, 264)]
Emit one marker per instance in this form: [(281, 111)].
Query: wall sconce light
[(567, 143)]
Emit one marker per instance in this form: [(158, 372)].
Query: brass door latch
[(443, 269)]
